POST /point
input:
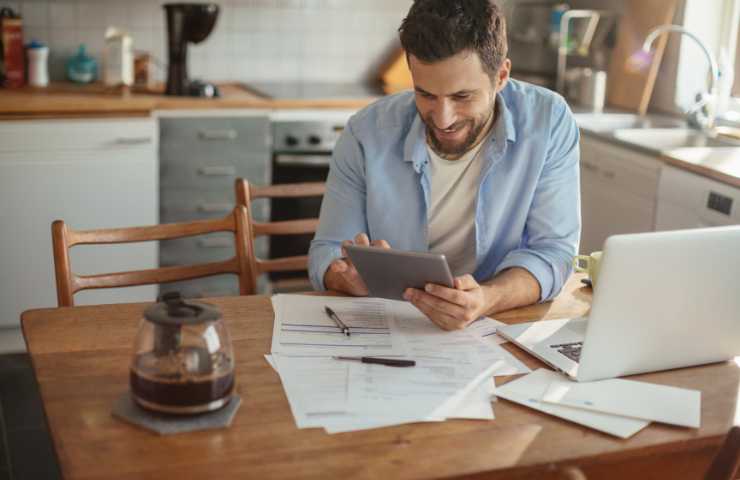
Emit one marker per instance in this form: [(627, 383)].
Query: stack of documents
[(452, 377), (617, 406)]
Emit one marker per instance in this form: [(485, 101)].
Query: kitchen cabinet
[(618, 192), (200, 157), (91, 173), (688, 200)]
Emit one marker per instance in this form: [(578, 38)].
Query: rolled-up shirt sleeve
[(553, 224), (343, 208)]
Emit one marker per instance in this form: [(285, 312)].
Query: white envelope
[(528, 391), (629, 398)]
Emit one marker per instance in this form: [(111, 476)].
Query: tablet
[(387, 272)]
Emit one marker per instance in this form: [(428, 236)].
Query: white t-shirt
[(451, 214)]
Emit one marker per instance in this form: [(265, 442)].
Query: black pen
[(390, 362), (340, 324)]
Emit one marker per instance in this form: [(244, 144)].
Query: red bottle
[(12, 59)]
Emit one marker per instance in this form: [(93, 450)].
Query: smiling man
[(472, 164)]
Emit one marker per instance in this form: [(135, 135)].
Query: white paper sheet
[(630, 398), (485, 327), (302, 327), (529, 389)]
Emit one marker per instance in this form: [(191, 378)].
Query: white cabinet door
[(618, 192), (87, 188)]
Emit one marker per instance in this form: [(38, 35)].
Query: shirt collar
[(414, 148)]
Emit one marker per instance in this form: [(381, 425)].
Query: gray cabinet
[(200, 157)]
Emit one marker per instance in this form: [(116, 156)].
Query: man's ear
[(502, 76)]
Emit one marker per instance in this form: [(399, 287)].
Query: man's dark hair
[(435, 30)]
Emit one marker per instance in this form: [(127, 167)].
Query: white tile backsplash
[(254, 40)]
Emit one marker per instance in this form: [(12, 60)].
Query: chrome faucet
[(703, 113), (593, 16)]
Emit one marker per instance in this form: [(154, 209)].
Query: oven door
[(295, 168)]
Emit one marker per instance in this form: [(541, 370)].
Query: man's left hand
[(450, 308)]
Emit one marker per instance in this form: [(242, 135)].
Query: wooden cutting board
[(631, 78)]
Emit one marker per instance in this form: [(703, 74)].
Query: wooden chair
[(245, 193), (726, 462), (69, 283)]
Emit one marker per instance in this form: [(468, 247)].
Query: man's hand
[(342, 276), (451, 308)]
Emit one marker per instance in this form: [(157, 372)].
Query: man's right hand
[(342, 276)]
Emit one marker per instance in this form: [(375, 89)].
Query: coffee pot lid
[(173, 310)]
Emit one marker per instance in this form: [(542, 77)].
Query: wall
[(254, 40)]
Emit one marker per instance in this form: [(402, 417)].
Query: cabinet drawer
[(77, 135), (208, 170), (182, 205), (214, 247), (620, 167), (244, 133), (216, 286)]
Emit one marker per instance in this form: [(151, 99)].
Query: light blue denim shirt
[(528, 209)]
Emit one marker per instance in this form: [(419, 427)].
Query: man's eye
[(462, 96)]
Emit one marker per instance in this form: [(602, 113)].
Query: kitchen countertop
[(64, 100), (718, 163), (68, 101)]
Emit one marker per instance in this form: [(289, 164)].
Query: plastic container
[(38, 65), (82, 68), (118, 58)]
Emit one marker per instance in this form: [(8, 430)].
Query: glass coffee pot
[(183, 360)]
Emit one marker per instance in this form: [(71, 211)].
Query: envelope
[(629, 398), (528, 391)]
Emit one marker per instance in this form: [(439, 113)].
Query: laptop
[(664, 300)]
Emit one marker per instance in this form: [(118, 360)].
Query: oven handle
[(303, 160)]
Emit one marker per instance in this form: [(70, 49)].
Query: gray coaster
[(126, 409)]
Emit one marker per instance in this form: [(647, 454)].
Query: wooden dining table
[(81, 358)]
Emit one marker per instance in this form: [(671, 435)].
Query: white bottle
[(118, 58), (38, 71)]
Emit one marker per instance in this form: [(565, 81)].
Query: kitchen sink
[(608, 122), (660, 139)]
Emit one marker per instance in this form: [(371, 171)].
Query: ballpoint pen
[(340, 324), (390, 362)]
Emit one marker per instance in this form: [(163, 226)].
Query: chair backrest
[(68, 283), (245, 193), (726, 462)]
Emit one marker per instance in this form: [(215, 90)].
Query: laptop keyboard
[(570, 350)]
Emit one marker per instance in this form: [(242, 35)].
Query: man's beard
[(475, 125)]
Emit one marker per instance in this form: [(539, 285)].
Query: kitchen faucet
[(593, 17), (702, 114)]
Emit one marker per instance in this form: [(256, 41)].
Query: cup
[(588, 264)]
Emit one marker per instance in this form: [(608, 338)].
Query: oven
[(302, 149)]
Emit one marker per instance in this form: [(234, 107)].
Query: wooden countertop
[(67, 100), (718, 163), (64, 100)]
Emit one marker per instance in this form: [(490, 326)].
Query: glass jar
[(183, 360)]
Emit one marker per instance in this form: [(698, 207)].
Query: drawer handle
[(226, 134), (133, 140), (217, 171), (215, 243), (214, 207), (609, 174)]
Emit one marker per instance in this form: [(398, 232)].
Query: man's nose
[(443, 115)]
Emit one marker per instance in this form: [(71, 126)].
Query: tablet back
[(387, 272)]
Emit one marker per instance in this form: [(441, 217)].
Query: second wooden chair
[(245, 193)]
